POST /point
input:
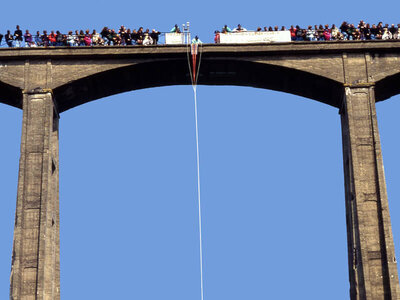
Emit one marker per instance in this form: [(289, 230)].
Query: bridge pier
[(372, 263), (35, 269)]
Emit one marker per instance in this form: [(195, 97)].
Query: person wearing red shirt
[(52, 38)]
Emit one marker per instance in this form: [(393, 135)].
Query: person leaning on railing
[(155, 35), (28, 39), (9, 38), (176, 29), (196, 40), (239, 28), (18, 36), (226, 29)]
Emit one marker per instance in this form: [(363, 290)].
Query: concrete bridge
[(351, 76)]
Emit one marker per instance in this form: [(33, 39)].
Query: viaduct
[(350, 76)]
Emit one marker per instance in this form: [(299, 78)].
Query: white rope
[(194, 86), (198, 192)]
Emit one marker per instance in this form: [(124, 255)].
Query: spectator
[(217, 37), (393, 30), (128, 37), (28, 39), (387, 35), (81, 37), (374, 32), (196, 40), (327, 33), (343, 30), (9, 38), (380, 31), (1, 37), (122, 33), (18, 36), (147, 41), (52, 38), (396, 35), (351, 32), (38, 39), (336, 34), (45, 38), (299, 33), (357, 34), (292, 32), (226, 29), (366, 32), (134, 36), (87, 38), (362, 27), (239, 28), (109, 37), (176, 29), (104, 33), (320, 33), (140, 36), (95, 37), (155, 35), (60, 39), (71, 39), (116, 39), (310, 34)]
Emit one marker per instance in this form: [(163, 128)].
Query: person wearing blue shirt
[(226, 29), (176, 29)]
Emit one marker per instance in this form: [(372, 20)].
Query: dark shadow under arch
[(10, 95), (387, 87), (212, 72)]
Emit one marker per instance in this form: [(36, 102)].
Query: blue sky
[(270, 163)]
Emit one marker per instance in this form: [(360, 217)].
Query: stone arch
[(212, 72)]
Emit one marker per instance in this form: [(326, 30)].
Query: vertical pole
[(372, 263), (35, 267)]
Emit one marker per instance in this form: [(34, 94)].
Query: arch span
[(212, 72)]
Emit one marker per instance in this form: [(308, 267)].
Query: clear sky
[(270, 163)]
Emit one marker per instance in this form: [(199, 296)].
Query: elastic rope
[(194, 86)]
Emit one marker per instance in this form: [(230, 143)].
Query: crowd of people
[(125, 36), (346, 31)]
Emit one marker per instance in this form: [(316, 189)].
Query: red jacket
[(52, 37)]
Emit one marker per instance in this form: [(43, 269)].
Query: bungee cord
[(194, 78)]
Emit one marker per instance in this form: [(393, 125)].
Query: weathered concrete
[(35, 271), (372, 262), (348, 75)]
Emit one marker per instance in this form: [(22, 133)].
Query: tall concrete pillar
[(372, 262), (35, 268)]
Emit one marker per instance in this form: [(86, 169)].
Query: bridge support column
[(35, 268), (372, 263)]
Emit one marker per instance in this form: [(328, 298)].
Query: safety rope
[(194, 78)]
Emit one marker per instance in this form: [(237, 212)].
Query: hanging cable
[(194, 72)]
